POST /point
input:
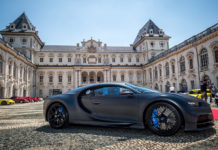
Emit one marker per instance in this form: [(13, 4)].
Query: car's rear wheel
[(57, 116), (4, 103), (21, 101), (163, 119)]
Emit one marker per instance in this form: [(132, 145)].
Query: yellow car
[(6, 101), (197, 93)]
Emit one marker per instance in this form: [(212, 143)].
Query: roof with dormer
[(18, 28), (145, 30), (18, 25)]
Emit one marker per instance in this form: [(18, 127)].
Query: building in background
[(30, 68)]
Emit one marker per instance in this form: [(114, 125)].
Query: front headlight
[(194, 104)]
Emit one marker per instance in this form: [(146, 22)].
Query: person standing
[(204, 90)]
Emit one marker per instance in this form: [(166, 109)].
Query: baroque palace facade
[(28, 67)]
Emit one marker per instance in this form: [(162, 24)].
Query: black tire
[(4, 103), (163, 119), (57, 116), (20, 101)]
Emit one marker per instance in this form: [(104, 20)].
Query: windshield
[(141, 89)]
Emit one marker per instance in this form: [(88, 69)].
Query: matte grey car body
[(128, 109)]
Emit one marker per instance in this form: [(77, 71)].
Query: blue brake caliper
[(154, 118), (61, 110)]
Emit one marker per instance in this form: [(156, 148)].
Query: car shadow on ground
[(124, 134)]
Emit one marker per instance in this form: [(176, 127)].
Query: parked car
[(6, 101), (106, 104), (20, 100), (216, 99), (35, 99), (197, 93)]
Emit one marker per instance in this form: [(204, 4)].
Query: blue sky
[(115, 22)]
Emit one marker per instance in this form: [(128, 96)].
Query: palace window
[(114, 78), (167, 69), (182, 64), (99, 60), (84, 79), (155, 73), (137, 59), (11, 40), (113, 59), (216, 55), (41, 79), (60, 59), (50, 79), (173, 68), (121, 59), (60, 78), (161, 44), (50, 59), (24, 41), (41, 59), (204, 58), (122, 78), (152, 44), (15, 70), (190, 63), (84, 60), (69, 59), (1, 64), (160, 71), (129, 59), (69, 78)]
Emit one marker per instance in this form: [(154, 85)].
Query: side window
[(112, 91)]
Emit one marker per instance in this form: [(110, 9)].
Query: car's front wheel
[(163, 119), (57, 116), (4, 103)]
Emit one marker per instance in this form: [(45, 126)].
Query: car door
[(115, 103)]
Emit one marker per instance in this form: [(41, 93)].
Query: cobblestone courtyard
[(22, 126)]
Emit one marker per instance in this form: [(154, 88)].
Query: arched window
[(1, 64), (155, 73), (204, 58), (160, 71), (182, 64), (216, 55), (167, 69), (190, 63), (173, 68), (15, 70), (183, 86)]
